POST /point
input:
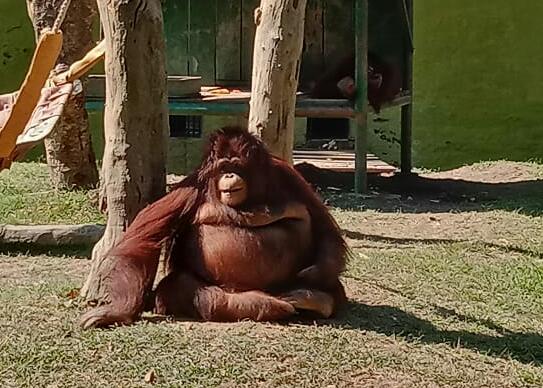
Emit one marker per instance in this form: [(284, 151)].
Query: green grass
[(451, 315), (26, 197), (438, 298)]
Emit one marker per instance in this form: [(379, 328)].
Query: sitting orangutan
[(249, 239)]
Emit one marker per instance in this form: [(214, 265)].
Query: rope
[(61, 15)]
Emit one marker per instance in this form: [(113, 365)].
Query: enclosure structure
[(214, 39)]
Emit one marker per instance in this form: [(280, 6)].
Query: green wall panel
[(16, 44), (478, 81)]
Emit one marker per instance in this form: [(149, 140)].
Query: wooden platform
[(214, 100), (340, 161)]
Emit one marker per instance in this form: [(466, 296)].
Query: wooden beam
[(305, 107)]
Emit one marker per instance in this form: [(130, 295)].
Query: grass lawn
[(26, 197), (445, 291)]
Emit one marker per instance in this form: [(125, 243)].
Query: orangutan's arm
[(211, 214)]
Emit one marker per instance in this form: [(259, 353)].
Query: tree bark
[(68, 148), (135, 121), (276, 68)]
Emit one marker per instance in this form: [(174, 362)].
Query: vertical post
[(407, 110), (276, 66), (361, 102), (135, 123)]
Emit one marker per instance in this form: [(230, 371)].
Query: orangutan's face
[(232, 189)]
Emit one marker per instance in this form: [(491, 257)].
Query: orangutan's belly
[(252, 258)]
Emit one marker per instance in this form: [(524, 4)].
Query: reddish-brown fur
[(378, 92), (227, 264)]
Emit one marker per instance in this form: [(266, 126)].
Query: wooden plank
[(248, 30), (335, 155), (304, 107), (202, 39), (323, 154), (373, 164), (347, 169), (228, 55), (313, 52), (176, 27), (178, 86), (336, 158), (338, 30), (326, 159), (241, 107)]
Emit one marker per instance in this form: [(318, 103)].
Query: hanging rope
[(61, 15)]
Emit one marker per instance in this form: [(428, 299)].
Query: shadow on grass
[(41, 250), (432, 194), (524, 347), (392, 321), (409, 241)]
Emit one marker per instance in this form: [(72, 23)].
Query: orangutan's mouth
[(232, 190)]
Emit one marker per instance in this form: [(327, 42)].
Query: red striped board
[(341, 161)]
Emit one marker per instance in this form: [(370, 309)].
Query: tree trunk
[(68, 148), (276, 68), (135, 122)]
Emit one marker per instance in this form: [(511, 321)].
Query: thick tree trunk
[(276, 68), (68, 149), (135, 122)]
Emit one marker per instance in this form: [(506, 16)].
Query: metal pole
[(361, 101), (407, 110)]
